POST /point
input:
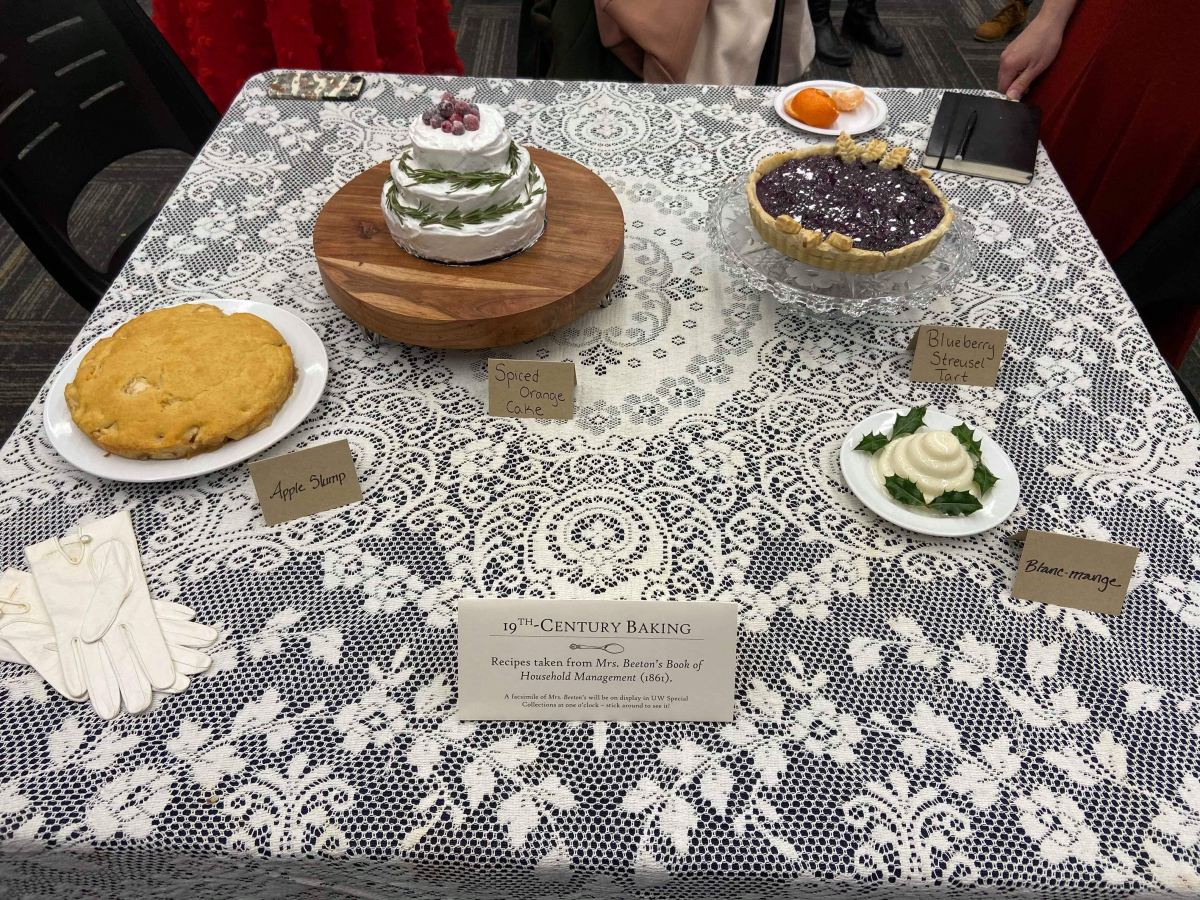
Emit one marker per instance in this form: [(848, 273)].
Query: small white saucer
[(858, 467), (869, 116), (312, 368)]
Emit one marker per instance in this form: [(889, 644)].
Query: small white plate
[(312, 368), (859, 468), (869, 116)]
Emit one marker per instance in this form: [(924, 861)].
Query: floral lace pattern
[(901, 719)]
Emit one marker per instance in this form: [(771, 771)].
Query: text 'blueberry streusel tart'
[(846, 207)]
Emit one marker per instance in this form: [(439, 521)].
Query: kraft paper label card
[(943, 354), (1075, 572), (531, 389), (596, 660), (305, 482)]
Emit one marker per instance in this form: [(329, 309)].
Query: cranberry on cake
[(846, 207)]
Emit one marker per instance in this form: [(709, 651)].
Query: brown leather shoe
[(1015, 14)]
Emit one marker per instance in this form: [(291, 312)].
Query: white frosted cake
[(463, 191)]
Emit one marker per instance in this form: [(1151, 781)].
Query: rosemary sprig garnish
[(456, 218), (460, 180)]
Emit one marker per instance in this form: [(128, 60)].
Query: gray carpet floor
[(38, 319)]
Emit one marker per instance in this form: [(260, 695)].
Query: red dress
[(1119, 116), (224, 42), (1120, 124)]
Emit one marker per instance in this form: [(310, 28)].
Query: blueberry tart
[(846, 207)]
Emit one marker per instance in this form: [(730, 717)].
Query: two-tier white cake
[(463, 191)]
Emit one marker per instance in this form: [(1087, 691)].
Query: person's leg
[(861, 23), (1014, 15), (829, 48)]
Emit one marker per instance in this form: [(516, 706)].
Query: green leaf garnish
[(966, 437), (956, 503), (904, 491), (456, 218), (909, 422), (873, 442), (984, 478), (460, 180)]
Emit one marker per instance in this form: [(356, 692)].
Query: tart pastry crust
[(837, 251), (175, 382)]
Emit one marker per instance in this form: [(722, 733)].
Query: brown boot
[(1015, 14)]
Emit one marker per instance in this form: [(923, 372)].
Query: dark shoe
[(1015, 14), (861, 23), (829, 48)]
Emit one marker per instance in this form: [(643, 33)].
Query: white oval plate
[(869, 116), (312, 368), (858, 467)]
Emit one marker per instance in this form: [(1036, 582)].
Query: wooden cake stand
[(385, 289)]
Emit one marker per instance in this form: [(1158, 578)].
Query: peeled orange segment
[(848, 99), (814, 107)]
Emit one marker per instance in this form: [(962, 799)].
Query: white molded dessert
[(463, 191)]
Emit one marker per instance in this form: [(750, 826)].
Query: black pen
[(967, 132), (949, 128)]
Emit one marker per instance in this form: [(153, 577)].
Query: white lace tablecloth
[(903, 724)]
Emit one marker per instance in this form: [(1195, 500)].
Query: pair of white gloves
[(85, 621)]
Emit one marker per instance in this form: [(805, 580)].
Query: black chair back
[(83, 83)]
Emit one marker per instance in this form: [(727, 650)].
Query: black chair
[(84, 83)]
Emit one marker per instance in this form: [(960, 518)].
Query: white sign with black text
[(578, 660)]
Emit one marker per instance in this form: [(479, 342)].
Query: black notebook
[(996, 138)]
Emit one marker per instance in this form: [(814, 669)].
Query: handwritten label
[(943, 354), (597, 660), (305, 482), (531, 389), (1075, 572)]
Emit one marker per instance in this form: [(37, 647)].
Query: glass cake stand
[(732, 235)]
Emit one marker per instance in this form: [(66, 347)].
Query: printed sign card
[(531, 389), (943, 354), (305, 482), (1075, 572), (596, 660)]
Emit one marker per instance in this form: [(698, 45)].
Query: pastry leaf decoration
[(872, 443), (460, 180), (966, 436), (904, 491), (955, 503), (909, 422), (456, 218)]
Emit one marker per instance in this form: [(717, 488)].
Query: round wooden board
[(382, 287)]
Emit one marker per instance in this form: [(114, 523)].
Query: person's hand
[(1030, 54)]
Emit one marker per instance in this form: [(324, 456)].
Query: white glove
[(110, 645), (27, 635), (185, 639)]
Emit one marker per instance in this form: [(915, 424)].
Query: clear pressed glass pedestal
[(790, 281)]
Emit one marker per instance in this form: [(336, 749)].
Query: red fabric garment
[(437, 40), (224, 42), (1117, 116)]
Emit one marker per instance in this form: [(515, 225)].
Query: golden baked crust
[(837, 251), (180, 381)]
